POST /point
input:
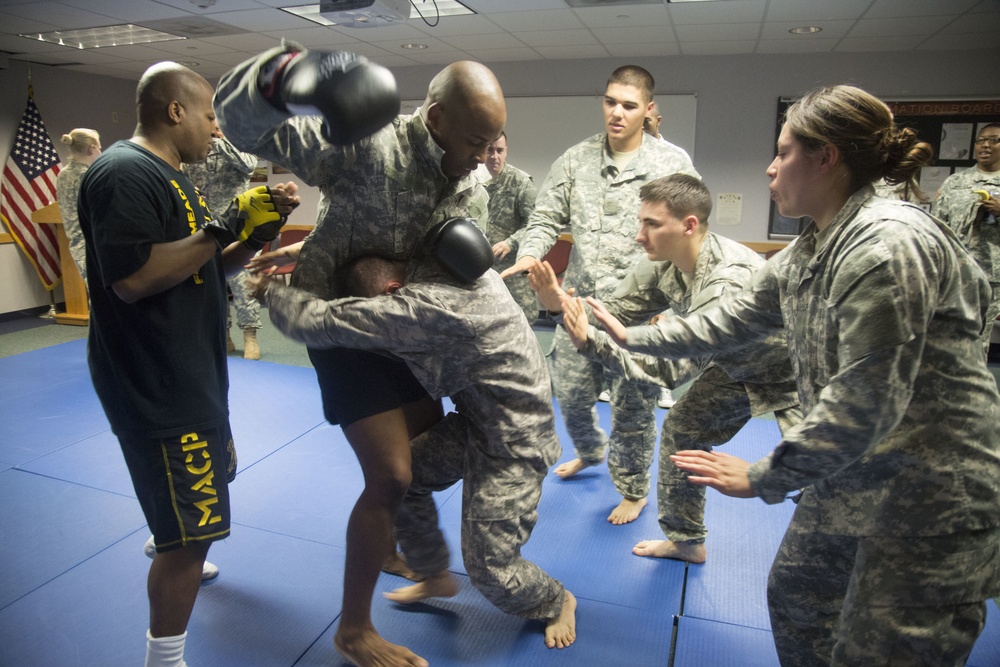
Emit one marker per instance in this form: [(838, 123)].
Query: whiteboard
[(540, 129)]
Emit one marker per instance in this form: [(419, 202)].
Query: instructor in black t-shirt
[(157, 260)]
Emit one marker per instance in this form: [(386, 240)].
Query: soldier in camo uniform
[(512, 199), (468, 343), (969, 216), (379, 195), (895, 542), (688, 269), (223, 175), (594, 190), (84, 147)]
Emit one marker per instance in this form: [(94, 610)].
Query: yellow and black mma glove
[(250, 219)]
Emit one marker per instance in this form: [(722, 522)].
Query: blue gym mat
[(72, 592)]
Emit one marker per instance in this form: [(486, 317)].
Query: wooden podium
[(77, 308)]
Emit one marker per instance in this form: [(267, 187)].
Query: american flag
[(29, 183)]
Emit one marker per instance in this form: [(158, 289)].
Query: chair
[(558, 255)]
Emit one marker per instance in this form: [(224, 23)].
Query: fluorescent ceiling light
[(806, 30), (444, 8), (676, 1), (112, 35)]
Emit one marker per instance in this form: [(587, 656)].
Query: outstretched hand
[(723, 472), (575, 320), (542, 278), (520, 266), (267, 262), (256, 285), (501, 249), (616, 330)]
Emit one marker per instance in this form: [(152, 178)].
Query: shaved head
[(465, 112), (164, 83), (175, 116)]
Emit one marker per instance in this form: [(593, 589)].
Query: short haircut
[(367, 275), (682, 194), (989, 125), (633, 75)]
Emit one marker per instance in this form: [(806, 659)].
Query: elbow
[(127, 291)]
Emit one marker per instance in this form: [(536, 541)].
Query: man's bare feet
[(686, 551), (571, 468), (367, 649), (441, 585), (560, 632), (395, 563), (627, 511)]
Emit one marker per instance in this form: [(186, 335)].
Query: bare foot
[(570, 468), (395, 563), (686, 551), (441, 585), (627, 511), (368, 649), (560, 632)]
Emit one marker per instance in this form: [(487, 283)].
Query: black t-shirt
[(159, 364)]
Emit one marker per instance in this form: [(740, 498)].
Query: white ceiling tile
[(731, 11), (506, 55), (131, 11), (901, 8), (717, 48), (251, 42), (500, 40), (64, 17), (718, 32), (799, 10), (809, 44), (501, 6), (396, 46), (401, 31), (261, 19), (644, 49), (616, 17), (192, 47), (653, 33), (915, 25), (557, 38), (457, 25), (958, 42), (975, 23), (14, 25), (572, 52), (15, 44), (868, 44), (439, 58), (319, 37), (537, 20), (389, 60)]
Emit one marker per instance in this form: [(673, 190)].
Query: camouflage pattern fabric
[(883, 310), (958, 206), (586, 192), (512, 199), (469, 343), (224, 174), (67, 191), (728, 389), (379, 196)]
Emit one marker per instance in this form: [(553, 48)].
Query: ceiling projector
[(365, 13)]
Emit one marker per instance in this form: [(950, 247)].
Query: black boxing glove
[(356, 97), (251, 219), (461, 247)]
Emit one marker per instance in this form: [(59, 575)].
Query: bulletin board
[(950, 126)]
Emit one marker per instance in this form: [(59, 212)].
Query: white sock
[(165, 651)]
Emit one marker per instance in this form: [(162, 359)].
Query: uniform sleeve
[(638, 296), (394, 323), (244, 162), (642, 368), (550, 213), (524, 206), (881, 299)]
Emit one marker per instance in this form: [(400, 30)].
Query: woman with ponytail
[(893, 547), (84, 147)]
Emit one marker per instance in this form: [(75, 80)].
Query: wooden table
[(77, 308)]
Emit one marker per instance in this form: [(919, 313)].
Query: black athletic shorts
[(356, 383), (182, 483)]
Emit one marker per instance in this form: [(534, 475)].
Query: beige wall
[(737, 99)]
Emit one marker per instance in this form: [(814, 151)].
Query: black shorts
[(356, 383), (182, 483)]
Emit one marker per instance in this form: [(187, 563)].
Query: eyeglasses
[(992, 141)]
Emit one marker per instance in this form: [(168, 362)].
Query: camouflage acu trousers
[(577, 381), (247, 308), (992, 311), (709, 414), (847, 600), (500, 494)]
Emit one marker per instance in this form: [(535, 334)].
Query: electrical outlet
[(114, 116)]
